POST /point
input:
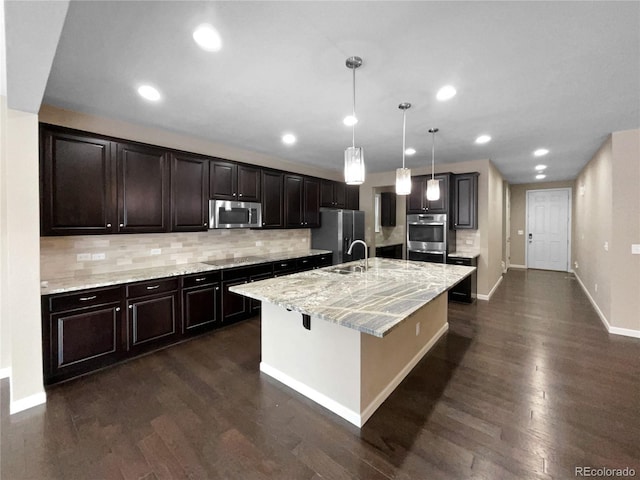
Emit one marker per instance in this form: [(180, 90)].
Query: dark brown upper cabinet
[(272, 199), (352, 201), (77, 181), (333, 194), (387, 209), (143, 189), (189, 193), (311, 205), (302, 201), (417, 201), (465, 205), (234, 181)]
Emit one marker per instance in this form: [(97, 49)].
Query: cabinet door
[(143, 189), (293, 211), (340, 194), (326, 194), (465, 207), (78, 184), (311, 202), (189, 193), (272, 199), (223, 180), (234, 307), (201, 308), (248, 183), (152, 321), (442, 204), (388, 209), (417, 199), (353, 197), (82, 340)]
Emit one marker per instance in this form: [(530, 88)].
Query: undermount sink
[(347, 270)]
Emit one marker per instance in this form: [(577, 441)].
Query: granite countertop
[(464, 254), (388, 244), (372, 302), (62, 285)]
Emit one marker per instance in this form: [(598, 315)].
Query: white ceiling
[(560, 75)]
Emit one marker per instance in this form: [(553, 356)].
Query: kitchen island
[(345, 337)]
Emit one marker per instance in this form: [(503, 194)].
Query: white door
[(548, 220)]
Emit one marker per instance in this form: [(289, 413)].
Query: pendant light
[(433, 185), (403, 175), (354, 156)]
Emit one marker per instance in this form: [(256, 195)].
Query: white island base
[(346, 371)]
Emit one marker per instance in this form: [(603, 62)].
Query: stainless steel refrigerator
[(338, 228)]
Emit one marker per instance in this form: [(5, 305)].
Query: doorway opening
[(548, 234)]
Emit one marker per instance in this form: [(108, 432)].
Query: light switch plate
[(155, 251), (635, 249), (606, 246), (98, 256), (520, 232)]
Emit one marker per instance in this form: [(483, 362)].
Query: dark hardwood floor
[(526, 386)]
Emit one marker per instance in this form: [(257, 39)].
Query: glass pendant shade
[(403, 181), (354, 166), (433, 189)]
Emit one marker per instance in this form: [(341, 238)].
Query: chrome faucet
[(366, 252)]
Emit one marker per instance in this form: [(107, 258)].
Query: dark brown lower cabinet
[(201, 303), (465, 291), (234, 307), (390, 251), (152, 319)]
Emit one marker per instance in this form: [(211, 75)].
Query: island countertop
[(372, 302)]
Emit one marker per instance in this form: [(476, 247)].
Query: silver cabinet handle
[(108, 225), (122, 224), (117, 309), (205, 224), (201, 279), (217, 288), (130, 307), (86, 299), (239, 194), (234, 194), (153, 287)]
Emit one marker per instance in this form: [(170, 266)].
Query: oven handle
[(430, 223), (438, 252)]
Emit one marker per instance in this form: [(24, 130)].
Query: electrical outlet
[(596, 287), (258, 243), (469, 242), (83, 257), (606, 246), (417, 329), (98, 256), (635, 249), (155, 251), (575, 264), (520, 232)]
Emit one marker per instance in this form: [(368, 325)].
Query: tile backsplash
[(80, 255), (467, 241)]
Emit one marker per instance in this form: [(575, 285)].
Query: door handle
[(530, 237)]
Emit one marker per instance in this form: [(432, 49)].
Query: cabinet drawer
[(460, 261), (244, 272), (201, 279), (152, 287), (86, 298), (306, 263), (325, 260), (284, 267)]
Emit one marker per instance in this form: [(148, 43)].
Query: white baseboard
[(519, 267), (388, 390), (28, 402), (357, 419), (488, 297), (5, 372), (627, 332), (320, 398)]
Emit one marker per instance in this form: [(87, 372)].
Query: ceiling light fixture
[(410, 151), (446, 93), (149, 93), (354, 156), (483, 139), (540, 167), (289, 138), (433, 185), (207, 38), (540, 152), (403, 175), (540, 176)]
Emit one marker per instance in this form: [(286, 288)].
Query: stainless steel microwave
[(232, 214)]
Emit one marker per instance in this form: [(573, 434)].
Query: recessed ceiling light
[(483, 139), (148, 92), (289, 138), (540, 176), (410, 151), (207, 38), (540, 152), (445, 93), (540, 167), (350, 120)]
